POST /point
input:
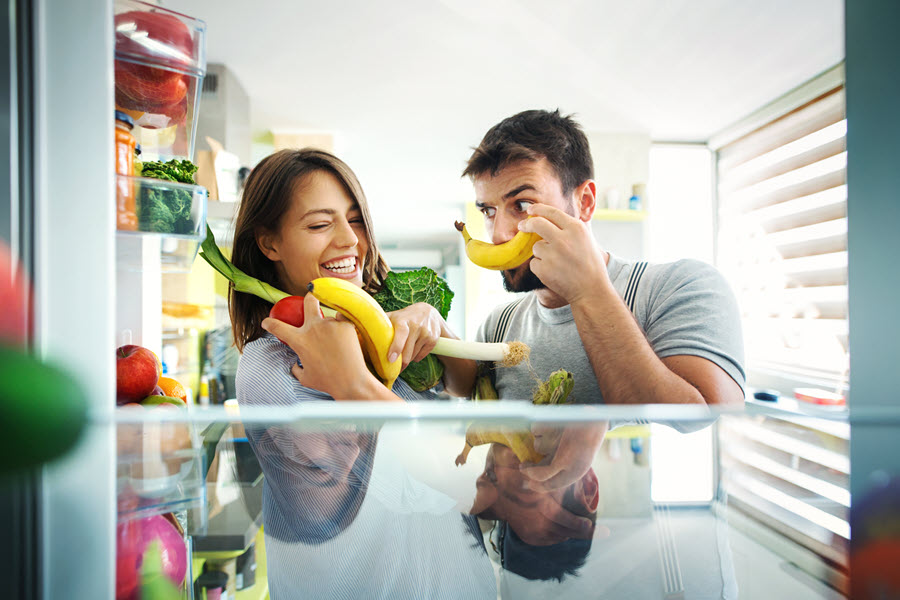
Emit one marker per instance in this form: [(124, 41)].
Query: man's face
[(538, 518), (503, 200)]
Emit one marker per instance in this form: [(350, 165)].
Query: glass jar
[(126, 208)]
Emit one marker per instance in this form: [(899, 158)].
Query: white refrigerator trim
[(75, 283)]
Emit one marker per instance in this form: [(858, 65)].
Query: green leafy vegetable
[(556, 389), (167, 210), (408, 287), (181, 171), (209, 251)]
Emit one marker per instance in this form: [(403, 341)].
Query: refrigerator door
[(19, 493), (74, 280)]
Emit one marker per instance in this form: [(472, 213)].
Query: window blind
[(792, 475), (782, 237), (782, 244)]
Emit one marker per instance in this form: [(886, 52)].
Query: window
[(782, 244), (782, 233), (680, 203)]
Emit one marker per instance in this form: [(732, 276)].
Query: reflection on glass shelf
[(158, 468), (461, 500)]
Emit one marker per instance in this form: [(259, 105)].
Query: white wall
[(680, 203)]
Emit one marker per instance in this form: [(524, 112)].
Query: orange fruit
[(172, 388)]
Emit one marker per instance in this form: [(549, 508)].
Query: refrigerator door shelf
[(160, 62), (171, 223)]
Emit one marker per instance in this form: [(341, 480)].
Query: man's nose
[(505, 228)]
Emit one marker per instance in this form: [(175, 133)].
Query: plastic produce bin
[(160, 62)]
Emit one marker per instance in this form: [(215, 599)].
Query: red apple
[(14, 290), (289, 310), (137, 372)]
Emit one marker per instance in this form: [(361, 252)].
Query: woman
[(341, 520)]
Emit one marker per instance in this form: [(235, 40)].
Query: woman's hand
[(329, 351), (416, 330)]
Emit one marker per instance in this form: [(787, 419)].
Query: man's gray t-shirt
[(683, 308)]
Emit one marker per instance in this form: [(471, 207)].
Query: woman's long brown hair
[(266, 198)]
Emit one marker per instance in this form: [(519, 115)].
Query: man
[(679, 344), (538, 535)]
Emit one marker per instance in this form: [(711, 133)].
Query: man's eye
[(488, 211), (522, 205)]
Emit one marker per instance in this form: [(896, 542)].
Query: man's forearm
[(627, 369), (459, 376)]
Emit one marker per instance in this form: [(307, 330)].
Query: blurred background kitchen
[(403, 92)]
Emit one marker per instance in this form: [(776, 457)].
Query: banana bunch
[(555, 390), (372, 324), (499, 257)]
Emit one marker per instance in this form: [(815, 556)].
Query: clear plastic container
[(159, 466), (160, 62), (172, 215)]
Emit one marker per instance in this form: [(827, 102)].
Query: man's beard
[(521, 279)]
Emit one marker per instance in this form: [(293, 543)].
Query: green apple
[(154, 400)]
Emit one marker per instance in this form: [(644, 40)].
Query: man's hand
[(577, 446), (545, 522), (566, 259)]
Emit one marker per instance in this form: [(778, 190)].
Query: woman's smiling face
[(321, 235)]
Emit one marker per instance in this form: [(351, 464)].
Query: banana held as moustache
[(375, 329), (499, 257)]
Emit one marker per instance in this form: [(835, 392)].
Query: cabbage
[(402, 289)]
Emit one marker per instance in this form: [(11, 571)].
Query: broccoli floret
[(167, 211), (181, 171), (154, 214)]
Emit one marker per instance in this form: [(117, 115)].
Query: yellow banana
[(373, 325), (498, 257), (555, 390), (484, 390), (520, 442)]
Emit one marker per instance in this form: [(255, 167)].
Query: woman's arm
[(331, 357), (317, 480)]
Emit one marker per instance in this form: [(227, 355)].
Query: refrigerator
[(94, 287), (59, 216)]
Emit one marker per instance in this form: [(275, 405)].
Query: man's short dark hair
[(543, 563), (533, 135)]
